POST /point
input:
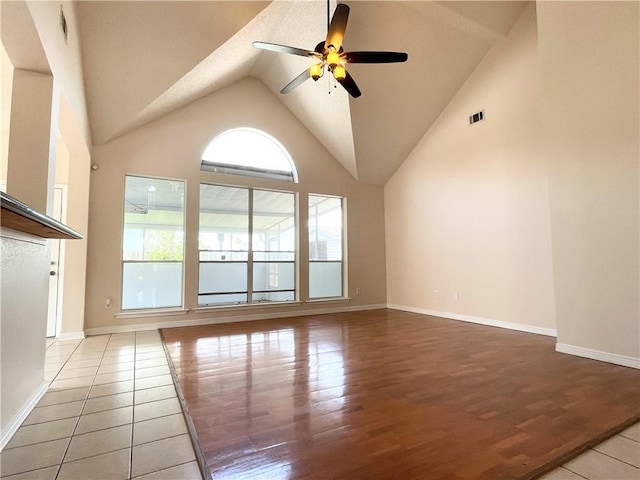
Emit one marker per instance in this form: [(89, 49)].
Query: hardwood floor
[(389, 394)]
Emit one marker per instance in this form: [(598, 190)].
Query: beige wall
[(6, 70), (171, 147), (75, 255), (589, 53), (64, 57), (468, 210), (31, 161)]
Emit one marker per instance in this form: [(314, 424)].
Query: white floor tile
[(109, 402), (116, 367), (598, 466), (97, 443), (186, 471), (43, 432), (160, 408), (152, 362), (151, 382), (154, 456), (621, 448), (104, 420), (154, 394), (111, 388), (152, 371), (48, 473), (69, 383), (108, 466), (32, 457), (113, 377), (158, 428), (633, 432), (68, 372), (54, 412)]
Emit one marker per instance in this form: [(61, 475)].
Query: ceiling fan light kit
[(331, 55)]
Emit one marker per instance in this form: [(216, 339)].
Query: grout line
[(576, 473), (73, 433), (615, 458), (629, 438)]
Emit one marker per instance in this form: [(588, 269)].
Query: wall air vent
[(63, 25), (476, 117)]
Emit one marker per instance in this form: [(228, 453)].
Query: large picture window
[(152, 243), (247, 246), (325, 247)]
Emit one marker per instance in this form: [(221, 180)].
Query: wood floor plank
[(389, 394)]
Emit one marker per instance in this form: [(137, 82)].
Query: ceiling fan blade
[(274, 47), (296, 82), (337, 27), (375, 57), (350, 86)]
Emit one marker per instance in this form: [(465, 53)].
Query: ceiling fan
[(330, 55)]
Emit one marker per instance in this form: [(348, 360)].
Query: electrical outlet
[(436, 293), (455, 296), (107, 304), (358, 291)]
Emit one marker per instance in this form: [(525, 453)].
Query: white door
[(54, 313)]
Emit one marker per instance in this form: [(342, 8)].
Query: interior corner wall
[(467, 213), (77, 179), (589, 56), (6, 72), (171, 147)]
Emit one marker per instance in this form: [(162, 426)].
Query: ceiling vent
[(476, 117)]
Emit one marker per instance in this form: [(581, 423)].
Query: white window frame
[(251, 254), (132, 311), (343, 244)]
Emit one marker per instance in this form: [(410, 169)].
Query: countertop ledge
[(20, 217)]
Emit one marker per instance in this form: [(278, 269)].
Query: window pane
[(222, 299), (223, 237), (273, 297), (222, 277), (153, 231), (273, 221), (248, 152), (153, 219), (224, 218), (224, 245), (223, 255), (274, 256), (151, 285), (325, 246), (273, 276), (325, 279), (325, 228)]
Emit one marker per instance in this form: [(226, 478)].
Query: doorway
[(54, 312)]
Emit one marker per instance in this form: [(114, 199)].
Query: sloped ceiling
[(145, 59)]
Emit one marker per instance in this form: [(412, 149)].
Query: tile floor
[(111, 412), (615, 459)]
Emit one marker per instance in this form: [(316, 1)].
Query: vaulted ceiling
[(145, 59)]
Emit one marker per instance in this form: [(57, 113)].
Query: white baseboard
[(229, 319), (71, 336), (23, 412), (624, 360), (550, 332)]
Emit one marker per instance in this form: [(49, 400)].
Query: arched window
[(249, 152)]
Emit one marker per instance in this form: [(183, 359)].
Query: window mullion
[(250, 246)]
